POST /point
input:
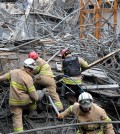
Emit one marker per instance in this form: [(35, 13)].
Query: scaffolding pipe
[(66, 125)]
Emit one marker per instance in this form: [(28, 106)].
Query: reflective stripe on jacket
[(72, 81), (76, 79), (46, 70), (95, 114), (43, 68), (22, 90)]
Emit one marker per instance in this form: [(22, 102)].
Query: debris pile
[(47, 26)]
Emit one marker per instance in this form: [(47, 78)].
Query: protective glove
[(47, 93), (41, 93), (60, 116)]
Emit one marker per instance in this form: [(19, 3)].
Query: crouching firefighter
[(23, 94), (87, 111), (72, 67)]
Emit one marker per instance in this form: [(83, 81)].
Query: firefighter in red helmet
[(33, 55), (72, 67), (45, 77)]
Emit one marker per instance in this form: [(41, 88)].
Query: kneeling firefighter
[(23, 94)]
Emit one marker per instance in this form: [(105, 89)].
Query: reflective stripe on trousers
[(17, 115)]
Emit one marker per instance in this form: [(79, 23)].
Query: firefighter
[(45, 77), (22, 94), (72, 67), (87, 111)]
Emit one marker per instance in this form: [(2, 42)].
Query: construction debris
[(88, 28)]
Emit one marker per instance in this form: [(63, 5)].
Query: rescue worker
[(22, 93), (45, 77), (72, 67), (87, 111)]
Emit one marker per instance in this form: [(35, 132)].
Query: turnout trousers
[(50, 84), (17, 112)]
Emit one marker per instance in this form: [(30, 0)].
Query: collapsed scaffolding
[(49, 26)]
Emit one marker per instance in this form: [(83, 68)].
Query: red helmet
[(64, 51), (33, 55)]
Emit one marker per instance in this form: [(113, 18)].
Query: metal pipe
[(67, 125), (52, 103), (54, 56)]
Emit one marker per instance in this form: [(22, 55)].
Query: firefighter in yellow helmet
[(72, 67), (45, 77), (87, 111), (23, 94)]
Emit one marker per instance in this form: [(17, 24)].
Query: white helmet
[(85, 99), (30, 63)]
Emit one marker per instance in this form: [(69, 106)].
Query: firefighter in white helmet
[(87, 111), (22, 93), (45, 77)]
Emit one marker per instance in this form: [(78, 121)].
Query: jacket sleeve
[(67, 112), (83, 63), (31, 90), (108, 128), (5, 77), (36, 70)]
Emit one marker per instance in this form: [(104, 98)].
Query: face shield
[(86, 103)]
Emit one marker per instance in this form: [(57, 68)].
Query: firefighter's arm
[(108, 128), (67, 112), (32, 91), (83, 63), (5, 77), (36, 70)]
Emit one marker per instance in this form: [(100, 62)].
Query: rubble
[(47, 26)]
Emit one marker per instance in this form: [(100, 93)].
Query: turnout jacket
[(43, 68), (95, 114), (73, 80), (22, 90)]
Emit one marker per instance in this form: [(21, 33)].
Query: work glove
[(60, 116), (41, 93), (47, 93)]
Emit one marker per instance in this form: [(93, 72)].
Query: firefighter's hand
[(60, 116), (47, 93)]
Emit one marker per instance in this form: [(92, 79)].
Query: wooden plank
[(103, 58), (7, 53)]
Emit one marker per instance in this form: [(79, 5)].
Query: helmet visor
[(86, 103)]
